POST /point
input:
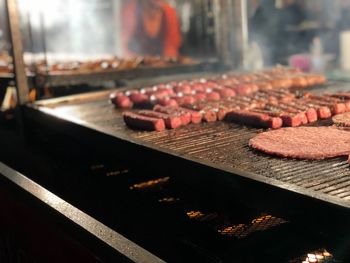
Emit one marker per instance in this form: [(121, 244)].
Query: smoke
[(70, 28)]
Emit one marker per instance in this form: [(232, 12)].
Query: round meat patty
[(304, 142), (342, 120)]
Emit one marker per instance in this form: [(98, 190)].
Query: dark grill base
[(177, 222)]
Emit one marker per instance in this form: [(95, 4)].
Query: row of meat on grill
[(265, 109), (263, 99), (216, 88)]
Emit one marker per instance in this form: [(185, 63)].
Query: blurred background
[(64, 62), (94, 27), (75, 36)]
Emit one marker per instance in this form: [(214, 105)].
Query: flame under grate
[(318, 256), (261, 223), (151, 184), (237, 231)]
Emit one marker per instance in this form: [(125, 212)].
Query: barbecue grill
[(198, 193), (189, 212), (219, 146)]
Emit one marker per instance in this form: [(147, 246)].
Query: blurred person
[(150, 27)]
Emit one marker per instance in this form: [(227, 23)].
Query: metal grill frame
[(241, 178)]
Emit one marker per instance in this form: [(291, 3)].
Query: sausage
[(171, 122), (336, 108), (188, 100), (253, 119), (323, 112), (299, 82), (209, 115), (290, 119), (243, 89), (213, 96), (186, 114), (222, 112), (160, 94), (168, 102), (200, 96), (198, 87), (141, 122), (311, 113), (196, 117), (122, 101), (210, 84), (175, 111), (226, 92), (139, 98), (167, 90), (185, 89), (336, 104), (281, 83), (185, 100), (149, 90), (298, 114)]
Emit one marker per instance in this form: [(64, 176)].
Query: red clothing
[(171, 38)]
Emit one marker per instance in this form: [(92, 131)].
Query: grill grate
[(226, 144), (223, 141)]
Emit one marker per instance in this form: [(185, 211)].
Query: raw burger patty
[(304, 142), (342, 119)]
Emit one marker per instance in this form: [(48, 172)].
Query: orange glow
[(150, 183), (317, 256)]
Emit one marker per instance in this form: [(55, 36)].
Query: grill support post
[(17, 51), (231, 27)]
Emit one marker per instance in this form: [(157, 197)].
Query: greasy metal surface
[(223, 146), (102, 232)]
